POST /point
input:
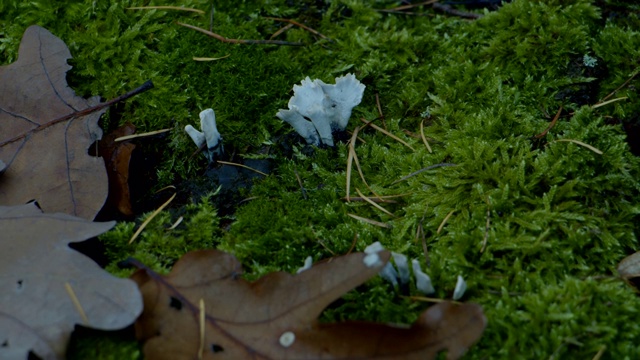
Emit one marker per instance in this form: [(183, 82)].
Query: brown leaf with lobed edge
[(47, 154), (40, 275), (629, 269), (276, 316), (117, 156)]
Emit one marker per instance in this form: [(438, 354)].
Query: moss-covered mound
[(535, 224)]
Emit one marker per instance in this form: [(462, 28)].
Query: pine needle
[(238, 41), (422, 170), (608, 102), (303, 26), (165, 8), (369, 221), (444, 221), (201, 318), (242, 166), (133, 136), (175, 224), (210, 58), (599, 152), (374, 204), (76, 303), (428, 299), (144, 224), (387, 133), (424, 139)]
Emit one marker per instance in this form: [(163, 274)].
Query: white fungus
[(374, 248), (209, 134), (307, 265), (461, 287), (372, 260), (316, 109), (403, 267), (389, 273), (423, 281), (287, 338)]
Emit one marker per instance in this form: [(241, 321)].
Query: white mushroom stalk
[(316, 109), (209, 135)]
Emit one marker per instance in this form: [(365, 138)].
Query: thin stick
[(165, 188), (201, 318), (280, 31), (424, 138), (293, 22), (326, 248), (369, 221), (142, 88), (380, 111), (387, 133), (350, 164), (195, 58), (239, 41), (144, 224), (600, 352), (376, 200), (242, 166), (420, 231), (133, 136), (447, 9), (76, 303), (603, 103), (486, 228), (213, 11), (165, 8), (353, 157), (353, 244), (304, 191), (444, 221), (374, 204), (422, 170), (410, 6), (551, 124), (619, 87), (428, 299), (597, 151)]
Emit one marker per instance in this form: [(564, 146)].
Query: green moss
[(560, 215)]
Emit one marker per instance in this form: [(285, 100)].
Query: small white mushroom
[(461, 287), (316, 109), (374, 248), (389, 273), (423, 281), (197, 137), (372, 260), (307, 265), (208, 126), (287, 339), (209, 135), (403, 267)]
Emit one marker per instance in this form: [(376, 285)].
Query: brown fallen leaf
[(276, 316), (48, 160), (116, 157), (47, 287), (629, 267)]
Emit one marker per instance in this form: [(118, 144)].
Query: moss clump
[(561, 216)]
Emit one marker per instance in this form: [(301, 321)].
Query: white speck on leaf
[(287, 339)]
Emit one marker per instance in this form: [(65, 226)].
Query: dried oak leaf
[(117, 156), (45, 149), (276, 316), (39, 273)]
